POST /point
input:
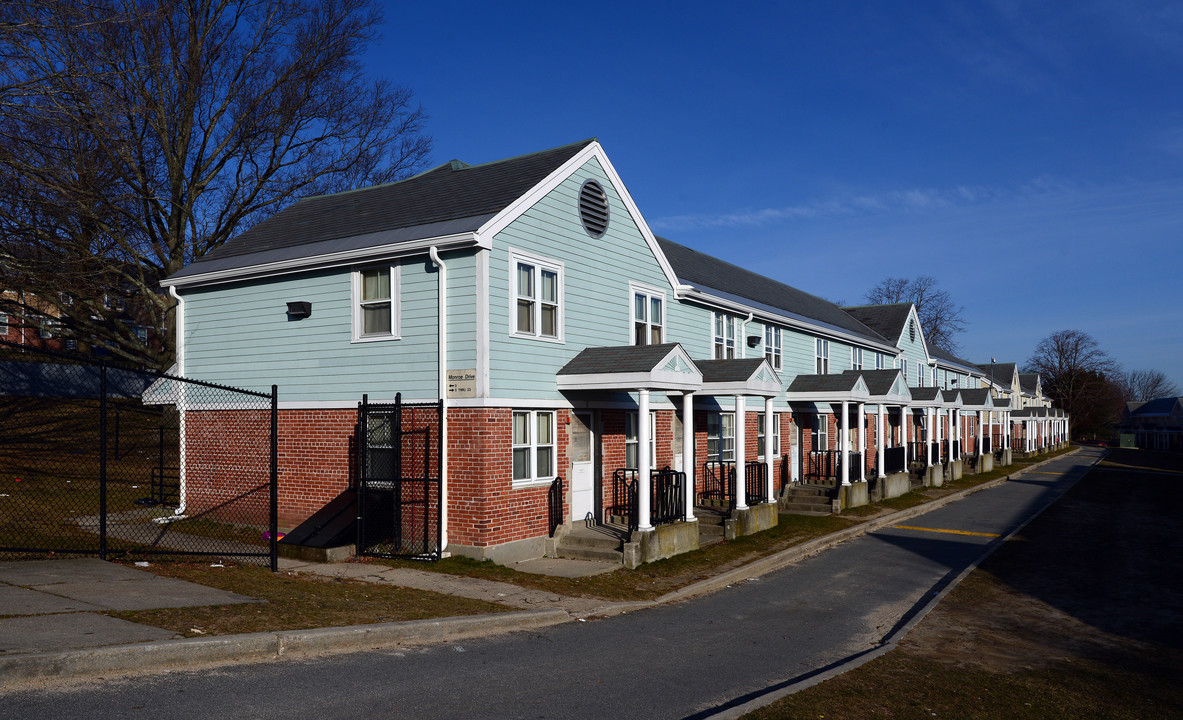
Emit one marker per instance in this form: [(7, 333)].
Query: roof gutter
[(328, 260), (688, 292)]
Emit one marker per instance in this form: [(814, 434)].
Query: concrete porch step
[(589, 553), (601, 543)]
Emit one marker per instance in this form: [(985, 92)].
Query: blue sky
[(1028, 155)]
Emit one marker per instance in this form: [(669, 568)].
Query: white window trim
[(395, 306), (821, 351), (4, 323), (633, 291), (516, 256), (532, 425), (856, 358), (774, 351), (729, 321), (633, 439), (760, 436)]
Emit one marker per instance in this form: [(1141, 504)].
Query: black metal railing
[(820, 465), (987, 446), (855, 462), (895, 460), (786, 473), (624, 496), (554, 506), (996, 441), (755, 485), (916, 451), (718, 481), (956, 448), (668, 496)]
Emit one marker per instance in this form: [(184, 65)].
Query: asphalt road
[(685, 660)]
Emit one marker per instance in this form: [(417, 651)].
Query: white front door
[(583, 463)]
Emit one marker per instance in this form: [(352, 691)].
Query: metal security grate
[(593, 208)]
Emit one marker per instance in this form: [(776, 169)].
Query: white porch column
[(688, 451), (862, 442), (939, 416), (879, 443), (644, 480), (741, 494), (953, 417), (981, 445), (928, 438), (905, 421), (769, 458), (844, 443), (1006, 430)]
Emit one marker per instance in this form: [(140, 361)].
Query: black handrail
[(667, 495), (756, 482), (820, 464), (624, 496), (554, 505), (718, 481), (895, 460)]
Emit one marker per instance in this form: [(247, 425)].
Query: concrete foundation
[(935, 476), (506, 553), (985, 463), (315, 554), (662, 542), (896, 484), (855, 494), (956, 469), (1007, 457), (752, 520)]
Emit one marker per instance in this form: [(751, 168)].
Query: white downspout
[(443, 388), (743, 336), (179, 329)]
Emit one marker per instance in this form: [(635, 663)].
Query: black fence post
[(103, 462), (363, 442), (274, 478)]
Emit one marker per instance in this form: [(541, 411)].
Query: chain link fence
[(102, 459)]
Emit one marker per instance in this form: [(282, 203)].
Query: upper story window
[(3, 323), (375, 304), (904, 368), (724, 336), (773, 340), (48, 328), (856, 358), (533, 445), (648, 317), (880, 361), (537, 298), (822, 354)]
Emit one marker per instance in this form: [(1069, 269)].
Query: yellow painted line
[(951, 532)]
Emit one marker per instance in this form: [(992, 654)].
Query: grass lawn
[(294, 602)]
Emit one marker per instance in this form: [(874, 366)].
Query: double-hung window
[(904, 368), (772, 346), (375, 304), (3, 323), (856, 358), (819, 433), (648, 317), (630, 440), (537, 298), (822, 354), (533, 446), (49, 328), (880, 361), (760, 435), (724, 336), (721, 437)]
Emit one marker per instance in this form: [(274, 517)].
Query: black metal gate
[(399, 499)]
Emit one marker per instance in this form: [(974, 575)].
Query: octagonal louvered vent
[(912, 330), (593, 208)]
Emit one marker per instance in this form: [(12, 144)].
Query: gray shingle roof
[(999, 373), (842, 382), (718, 277), (975, 396), (878, 382), (454, 197), (1029, 382), (953, 359), (924, 394), (1157, 407), (887, 320), (616, 359), (734, 370)]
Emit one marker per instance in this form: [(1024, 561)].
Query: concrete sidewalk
[(56, 631)]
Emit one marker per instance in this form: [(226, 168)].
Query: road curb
[(190, 653)]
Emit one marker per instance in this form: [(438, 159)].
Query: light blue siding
[(596, 306), (239, 334)]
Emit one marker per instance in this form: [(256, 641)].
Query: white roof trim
[(594, 150), (317, 262)]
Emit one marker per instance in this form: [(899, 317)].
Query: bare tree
[(136, 136), (1079, 377), (1145, 385), (940, 318)]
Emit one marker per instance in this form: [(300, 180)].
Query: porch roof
[(977, 399), (844, 387), (631, 367), (739, 376), (886, 386), (927, 397), (952, 398)]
